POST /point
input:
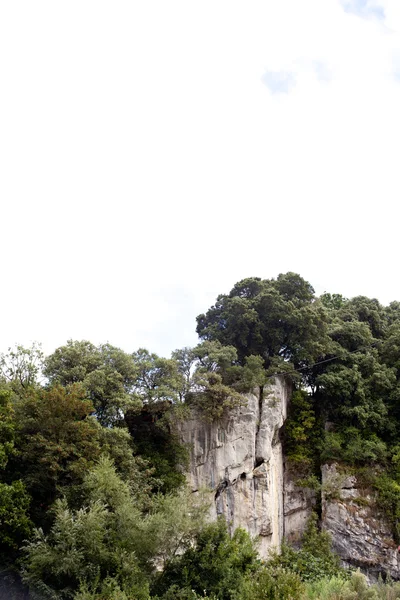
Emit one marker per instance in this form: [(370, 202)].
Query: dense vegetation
[(92, 498)]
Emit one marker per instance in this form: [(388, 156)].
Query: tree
[(215, 565), (156, 441), (21, 366), (314, 560), (302, 434), (55, 444), (108, 548), (158, 379), (7, 427), (214, 381), (89, 547), (268, 318), (333, 301), (117, 444), (272, 583), (186, 361), (171, 527), (15, 524), (212, 396), (107, 373)]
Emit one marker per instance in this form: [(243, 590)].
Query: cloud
[(279, 82), (396, 65), (322, 71), (363, 8)]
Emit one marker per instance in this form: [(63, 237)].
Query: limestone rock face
[(299, 503), (240, 460), (360, 534)]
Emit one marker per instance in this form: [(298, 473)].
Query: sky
[(154, 153)]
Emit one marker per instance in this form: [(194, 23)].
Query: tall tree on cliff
[(277, 319)]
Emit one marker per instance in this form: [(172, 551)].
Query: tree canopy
[(279, 320), (93, 503)]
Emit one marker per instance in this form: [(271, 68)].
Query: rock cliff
[(240, 460), (360, 534)]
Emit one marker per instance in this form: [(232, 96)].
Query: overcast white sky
[(153, 153)]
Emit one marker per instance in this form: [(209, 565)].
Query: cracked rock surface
[(239, 459), (360, 534)]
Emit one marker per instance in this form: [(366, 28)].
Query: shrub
[(315, 560), (216, 565), (270, 583)]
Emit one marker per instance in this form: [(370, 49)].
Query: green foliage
[(107, 374), (333, 301), (213, 397), (271, 583), (253, 374), (214, 381), (213, 356), (353, 588), (108, 548), (108, 589), (370, 450), (15, 524), (389, 500), (21, 366), (171, 526), (216, 565), (7, 427), (117, 443), (302, 434), (176, 593), (268, 318), (158, 379), (209, 372), (56, 443), (186, 360), (314, 560), (87, 546), (156, 441), (350, 446)]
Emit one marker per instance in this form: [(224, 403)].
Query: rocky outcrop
[(240, 460), (298, 505), (360, 534)]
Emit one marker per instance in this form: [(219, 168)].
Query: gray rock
[(360, 533), (239, 459)]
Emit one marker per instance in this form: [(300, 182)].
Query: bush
[(216, 565), (272, 584), (15, 523), (327, 589), (355, 588), (315, 560), (176, 593), (88, 546), (389, 500), (302, 434)]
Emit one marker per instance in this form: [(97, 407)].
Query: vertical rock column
[(239, 459)]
